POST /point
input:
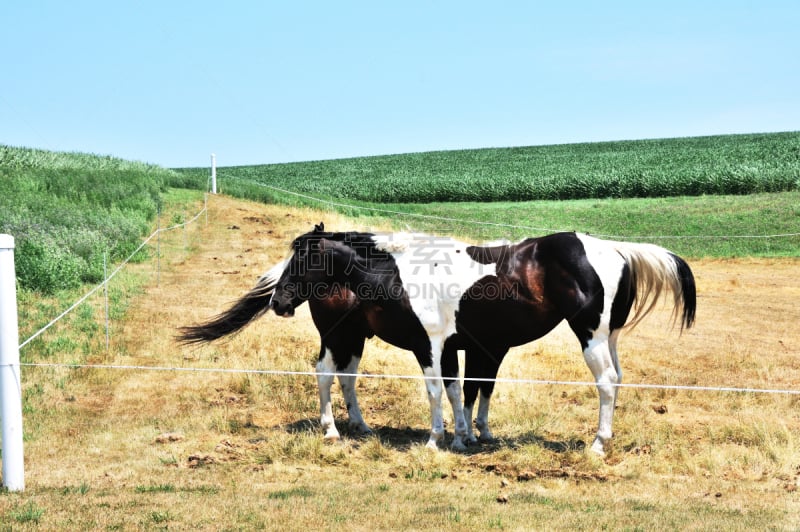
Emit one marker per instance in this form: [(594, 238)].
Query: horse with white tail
[(435, 295)]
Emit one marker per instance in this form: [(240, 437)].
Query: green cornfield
[(728, 164)]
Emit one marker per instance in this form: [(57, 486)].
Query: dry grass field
[(212, 450)]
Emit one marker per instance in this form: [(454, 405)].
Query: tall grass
[(728, 164), (66, 210)]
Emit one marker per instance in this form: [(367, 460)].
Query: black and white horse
[(480, 299), (347, 312), (592, 284)]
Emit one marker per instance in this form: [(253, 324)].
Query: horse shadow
[(402, 439)]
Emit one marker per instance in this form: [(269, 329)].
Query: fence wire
[(533, 382)]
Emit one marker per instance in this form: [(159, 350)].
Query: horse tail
[(246, 309), (654, 270)]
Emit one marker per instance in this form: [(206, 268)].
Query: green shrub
[(66, 210), (43, 266)]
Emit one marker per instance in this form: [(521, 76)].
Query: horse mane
[(355, 239), (364, 244)]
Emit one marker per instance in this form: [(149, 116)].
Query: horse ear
[(319, 228), (487, 255)]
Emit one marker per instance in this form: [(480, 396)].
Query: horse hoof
[(360, 430), (432, 445), (458, 446), (597, 448)]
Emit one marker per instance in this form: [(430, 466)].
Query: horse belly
[(506, 322), (397, 326)]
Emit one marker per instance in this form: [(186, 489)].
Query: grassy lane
[(705, 226), (697, 196)]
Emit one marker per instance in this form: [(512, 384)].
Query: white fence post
[(213, 174), (10, 386)]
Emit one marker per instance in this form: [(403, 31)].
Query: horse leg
[(482, 419), (433, 385), (325, 376), (612, 347), (604, 367), (449, 364), (489, 371), (471, 388), (429, 355), (480, 364), (348, 383)]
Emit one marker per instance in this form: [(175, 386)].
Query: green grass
[(66, 210), (704, 226), (728, 164)]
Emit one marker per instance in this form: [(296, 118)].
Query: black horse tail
[(688, 290), (654, 270), (248, 308)]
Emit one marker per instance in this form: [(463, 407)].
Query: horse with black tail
[(346, 312), (247, 309)]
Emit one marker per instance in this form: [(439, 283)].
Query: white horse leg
[(448, 361), (598, 357), (348, 384), (325, 370), (433, 385), (612, 347), (482, 421), (461, 436)]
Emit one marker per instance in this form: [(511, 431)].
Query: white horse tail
[(655, 270), (266, 283)]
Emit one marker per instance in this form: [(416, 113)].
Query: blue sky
[(263, 82)]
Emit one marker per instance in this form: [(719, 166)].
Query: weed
[(301, 492), (159, 517), (30, 513), (68, 210), (159, 488), (82, 489), (171, 460)]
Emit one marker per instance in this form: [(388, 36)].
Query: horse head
[(323, 260), (302, 275)]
